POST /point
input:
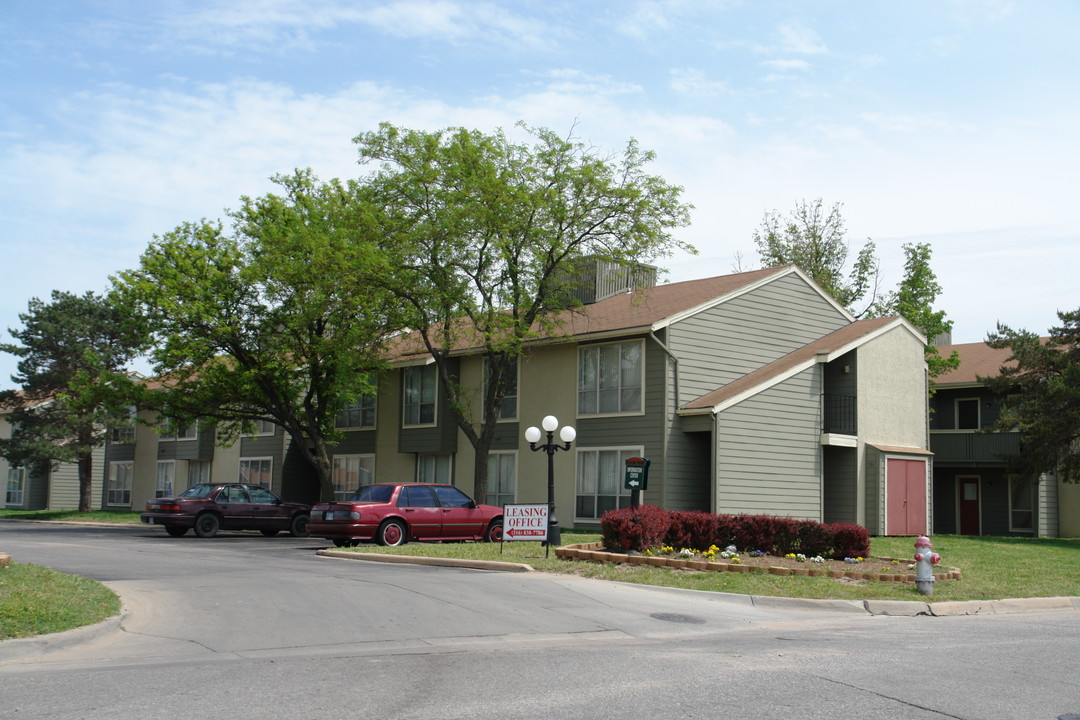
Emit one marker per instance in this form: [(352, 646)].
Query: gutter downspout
[(668, 419)]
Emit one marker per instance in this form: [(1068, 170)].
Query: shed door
[(905, 499)]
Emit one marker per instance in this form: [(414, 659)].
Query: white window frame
[(165, 485), (503, 417), (118, 491), (259, 459), (15, 489), (198, 464), (1032, 486), (597, 349), (435, 462), (509, 485), (405, 404), (341, 473), (956, 413), (263, 428), (125, 435), (187, 432), (622, 495), (366, 404)]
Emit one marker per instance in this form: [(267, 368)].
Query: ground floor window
[(502, 478), (118, 491), (166, 478), (600, 475), (16, 484), (198, 472), (1021, 504), (434, 468), (256, 471), (350, 472)]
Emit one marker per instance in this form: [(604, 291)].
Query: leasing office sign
[(525, 522)]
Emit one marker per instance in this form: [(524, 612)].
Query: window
[(433, 468), (967, 414), (610, 378), (501, 480), (350, 472), (451, 497), (1021, 504), (166, 475), (358, 414), (171, 432), (600, 476), (508, 410), (420, 385), (125, 434), (256, 471), (118, 491), (198, 472), (262, 427), (416, 496), (262, 496), (16, 483)]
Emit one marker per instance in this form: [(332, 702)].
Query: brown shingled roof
[(643, 308), (976, 360), (836, 342)]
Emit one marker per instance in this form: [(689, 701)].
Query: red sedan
[(227, 506), (394, 513)]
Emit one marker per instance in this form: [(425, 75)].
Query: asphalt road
[(242, 626)]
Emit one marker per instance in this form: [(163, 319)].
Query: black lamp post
[(567, 434)]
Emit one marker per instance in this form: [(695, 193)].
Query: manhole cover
[(677, 618)]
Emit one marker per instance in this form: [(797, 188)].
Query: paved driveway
[(246, 626)]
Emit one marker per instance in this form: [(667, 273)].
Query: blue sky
[(949, 122)]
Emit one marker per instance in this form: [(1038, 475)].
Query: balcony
[(839, 415), (969, 446)]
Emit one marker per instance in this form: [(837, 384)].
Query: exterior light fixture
[(568, 434)]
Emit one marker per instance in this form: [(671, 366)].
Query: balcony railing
[(971, 446), (838, 414)]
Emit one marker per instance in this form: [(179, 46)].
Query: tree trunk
[(86, 475)]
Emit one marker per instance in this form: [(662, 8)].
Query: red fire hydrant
[(924, 565)]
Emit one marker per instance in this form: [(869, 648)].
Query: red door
[(967, 486), (905, 497)]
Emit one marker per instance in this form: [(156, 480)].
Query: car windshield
[(373, 493), (197, 491)]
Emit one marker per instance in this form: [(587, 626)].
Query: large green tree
[(1039, 386), (268, 319), (482, 228), (914, 299), (816, 241), (73, 353)]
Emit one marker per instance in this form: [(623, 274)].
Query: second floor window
[(967, 414), (508, 410), (419, 407), (358, 414), (610, 378)]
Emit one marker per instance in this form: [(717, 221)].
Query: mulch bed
[(872, 569)]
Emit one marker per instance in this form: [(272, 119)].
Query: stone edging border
[(595, 552)]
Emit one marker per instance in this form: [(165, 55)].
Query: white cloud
[(799, 39), (694, 82)]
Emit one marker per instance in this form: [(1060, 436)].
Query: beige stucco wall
[(390, 465), (1068, 509), (892, 403), (5, 433)]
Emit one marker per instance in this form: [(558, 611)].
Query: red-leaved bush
[(691, 529), (850, 540), (634, 529)]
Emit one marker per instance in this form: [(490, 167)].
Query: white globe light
[(568, 434), (550, 423), (532, 435)]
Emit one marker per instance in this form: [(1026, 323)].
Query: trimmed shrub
[(850, 540), (814, 538), (726, 526), (691, 529), (634, 529), (755, 532)]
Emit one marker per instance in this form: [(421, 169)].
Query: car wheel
[(298, 526), (346, 543), (175, 531), (206, 525), (493, 533), (392, 533), (270, 532)]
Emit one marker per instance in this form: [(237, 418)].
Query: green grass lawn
[(992, 567), (109, 516), (35, 601)]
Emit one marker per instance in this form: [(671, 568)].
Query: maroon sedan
[(226, 506), (394, 513)]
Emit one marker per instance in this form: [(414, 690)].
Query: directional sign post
[(525, 522), (637, 478)]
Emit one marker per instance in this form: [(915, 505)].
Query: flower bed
[(872, 569)]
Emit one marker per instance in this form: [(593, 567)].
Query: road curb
[(21, 648), (420, 560)]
